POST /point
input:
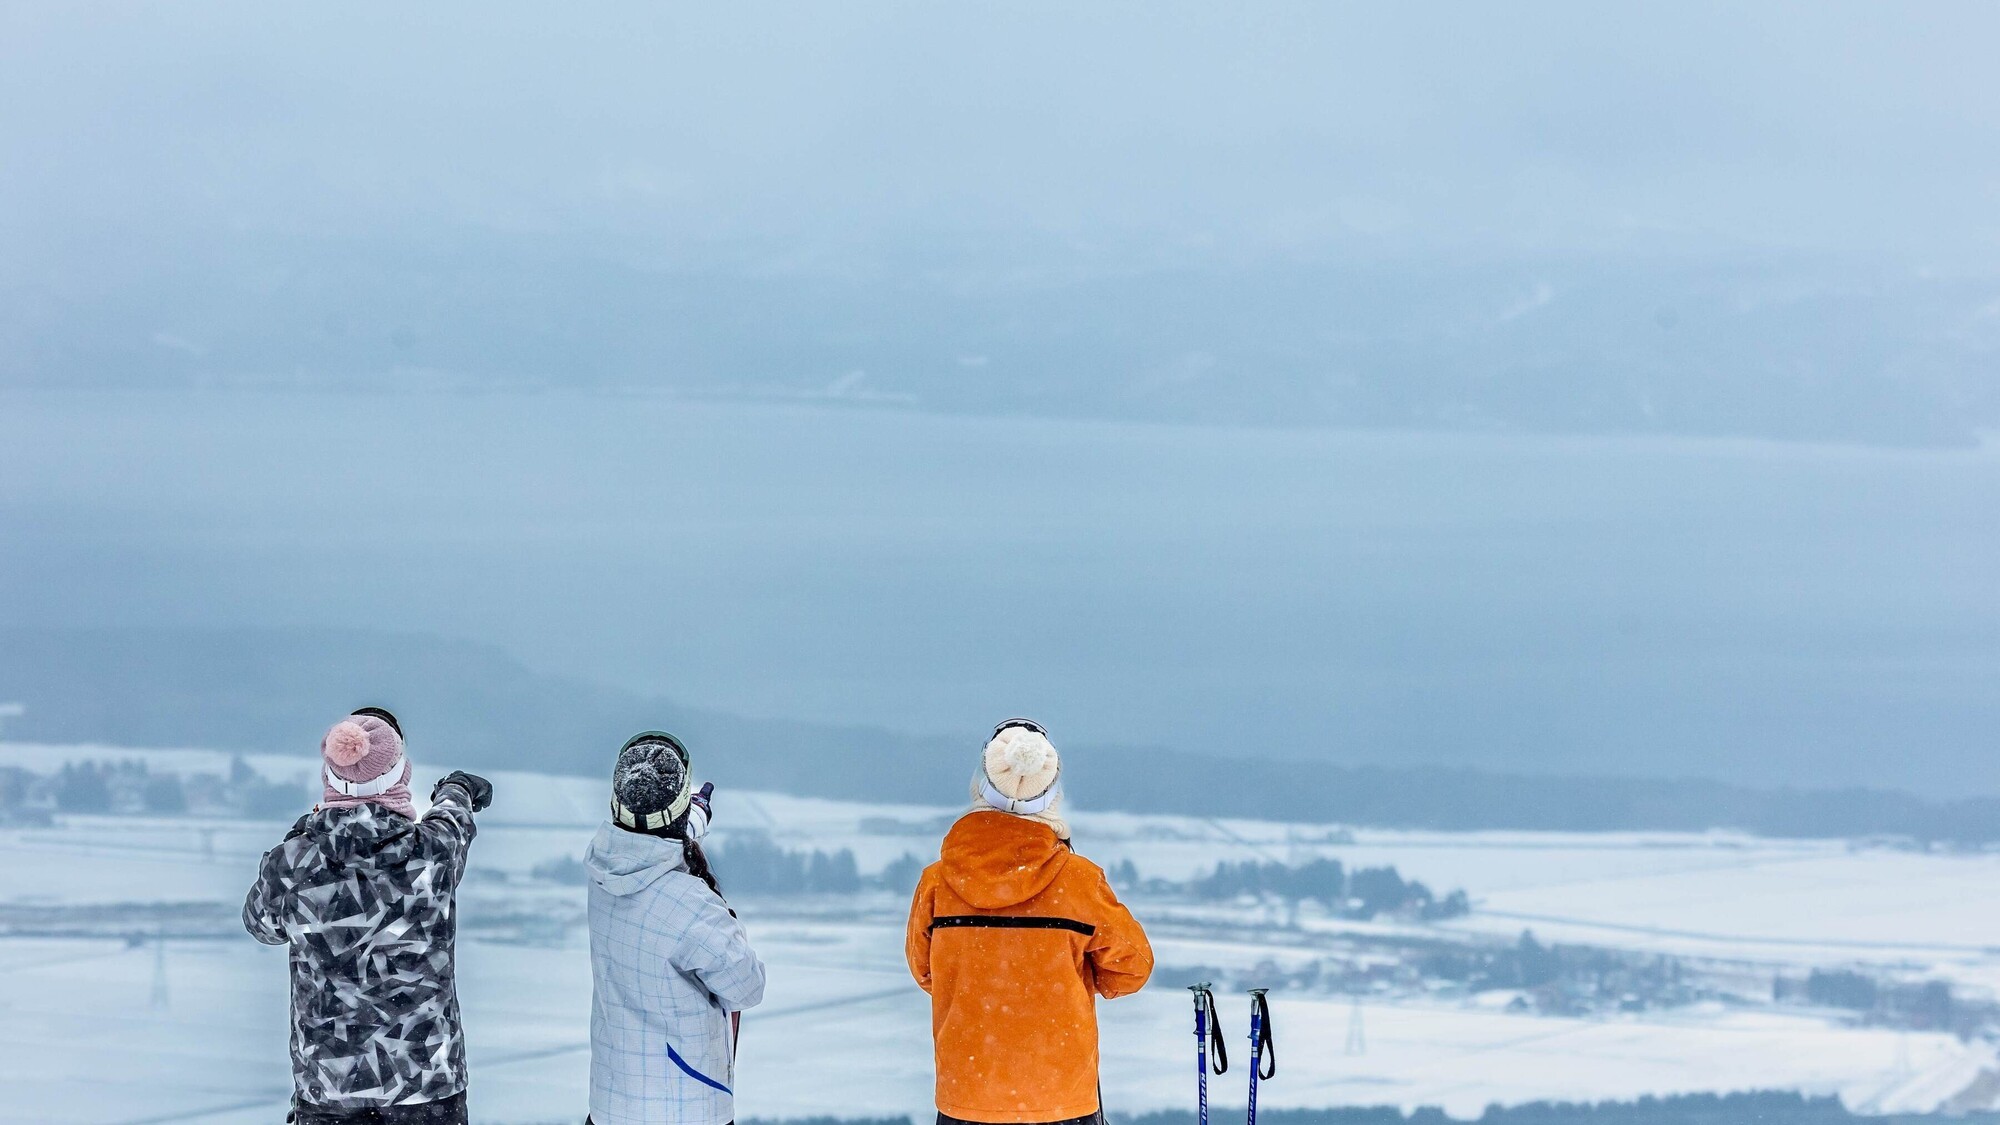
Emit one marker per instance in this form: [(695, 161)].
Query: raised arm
[(715, 949), (448, 827)]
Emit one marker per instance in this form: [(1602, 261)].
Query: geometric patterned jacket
[(365, 897)]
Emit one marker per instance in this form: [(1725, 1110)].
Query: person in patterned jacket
[(669, 962), (363, 891)]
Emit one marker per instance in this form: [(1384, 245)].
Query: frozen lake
[(1760, 612)]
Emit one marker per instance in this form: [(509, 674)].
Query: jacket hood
[(994, 860), (363, 836), (625, 863)]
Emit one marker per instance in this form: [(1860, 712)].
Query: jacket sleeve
[(917, 939), (265, 907), (447, 830), (716, 951), (1120, 956)]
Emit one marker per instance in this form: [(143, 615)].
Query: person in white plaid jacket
[(669, 961)]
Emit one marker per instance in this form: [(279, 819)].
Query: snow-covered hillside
[(100, 1022)]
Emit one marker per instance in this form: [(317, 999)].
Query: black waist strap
[(1011, 922)]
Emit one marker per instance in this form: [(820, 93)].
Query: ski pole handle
[(1263, 1036), (1207, 1033), (1262, 1049), (1208, 1029)]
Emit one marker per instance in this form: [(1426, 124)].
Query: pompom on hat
[(1020, 773), (346, 744)]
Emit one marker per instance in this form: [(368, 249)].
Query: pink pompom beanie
[(365, 764)]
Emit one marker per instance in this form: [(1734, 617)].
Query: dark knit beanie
[(650, 783)]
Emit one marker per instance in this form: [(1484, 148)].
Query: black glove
[(475, 786), (699, 812)]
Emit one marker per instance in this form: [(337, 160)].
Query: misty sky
[(1389, 382), (1854, 128)]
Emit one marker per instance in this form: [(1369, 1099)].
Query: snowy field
[(192, 1028)]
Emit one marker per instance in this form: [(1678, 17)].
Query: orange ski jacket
[(1015, 936)]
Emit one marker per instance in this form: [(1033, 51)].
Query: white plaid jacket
[(668, 963)]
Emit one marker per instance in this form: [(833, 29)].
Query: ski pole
[(1207, 1031), (1263, 1048)]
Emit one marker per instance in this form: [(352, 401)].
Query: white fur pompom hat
[(1020, 773)]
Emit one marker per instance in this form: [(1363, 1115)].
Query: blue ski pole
[(1207, 1031), (1263, 1050)]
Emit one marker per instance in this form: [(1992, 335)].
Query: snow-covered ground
[(96, 1029), (844, 1031)]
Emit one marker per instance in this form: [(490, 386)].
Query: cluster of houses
[(31, 797)]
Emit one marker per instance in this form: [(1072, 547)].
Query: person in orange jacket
[(1014, 936)]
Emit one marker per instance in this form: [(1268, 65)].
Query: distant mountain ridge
[(275, 689), (1636, 342)]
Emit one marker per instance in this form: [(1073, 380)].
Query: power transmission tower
[(1357, 1040), (159, 999)]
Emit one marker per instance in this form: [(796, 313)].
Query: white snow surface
[(101, 1030)]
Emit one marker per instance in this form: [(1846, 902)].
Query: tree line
[(1766, 1107), (1362, 893), (1760, 1107), (753, 863), (130, 786)]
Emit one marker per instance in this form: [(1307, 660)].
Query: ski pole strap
[(1205, 1017), (1264, 1048)]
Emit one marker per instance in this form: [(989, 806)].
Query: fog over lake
[(1767, 613)]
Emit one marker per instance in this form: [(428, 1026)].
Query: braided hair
[(697, 864), (691, 851)]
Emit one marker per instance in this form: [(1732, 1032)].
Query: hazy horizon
[(1669, 607), (1545, 388)]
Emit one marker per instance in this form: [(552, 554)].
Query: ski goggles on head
[(656, 736), (661, 819), (381, 713), (1020, 806), (1024, 724)]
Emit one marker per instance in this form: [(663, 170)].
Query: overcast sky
[(1245, 128), (194, 192)]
